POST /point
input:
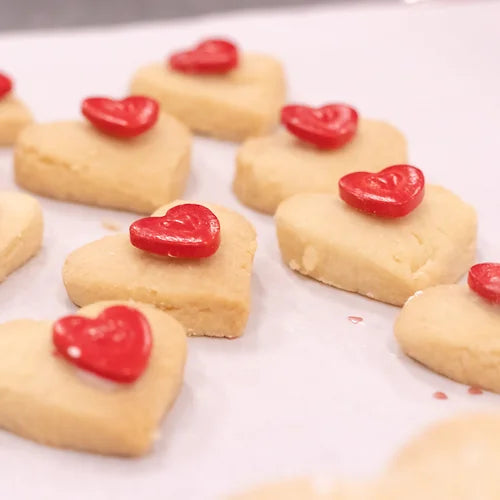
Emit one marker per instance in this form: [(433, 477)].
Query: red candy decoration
[(328, 127), (5, 85), (210, 56), (392, 192), (186, 231), (126, 118), (484, 279), (116, 345)]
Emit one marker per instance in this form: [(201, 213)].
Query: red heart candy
[(128, 117), (484, 279), (393, 192), (115, 345), (186, 231), (5, 85), (210, 56), (328, 127)]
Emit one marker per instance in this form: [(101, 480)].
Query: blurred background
[(33, 14)]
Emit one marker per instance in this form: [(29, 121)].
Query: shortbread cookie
[(385, 259), (454, 460), (21, 231), (14, 117), (454, 332), (242, 102), (273, 168), (75, 161), (307, 489), (48, 399), (209, 296)]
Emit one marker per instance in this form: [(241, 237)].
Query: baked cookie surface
[(272, 168), (454, 332), (209, 296), (386, 259), (73, 161), (14, 117), (243, 102), (21, 230), (47, 399)]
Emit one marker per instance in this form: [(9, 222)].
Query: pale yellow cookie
[(14, 116), (209, 296), (454, 332), (385, 259), (306, 489), (45, 398), (457, 459), (243, 102), (273, 168), (74, 161), (21, 231)]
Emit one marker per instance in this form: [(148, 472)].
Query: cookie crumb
[(439, 395), (474, 390), (110, 225), (355, 319)]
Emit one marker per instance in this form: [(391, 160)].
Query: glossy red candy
[(392, 192), (116, 345), (328, 127), (484, 279), (128, 117), (5, 85), (210, 56), (186, 231)]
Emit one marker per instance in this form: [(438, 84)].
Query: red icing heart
[(5, 85), (328, 127), (128, 117), (116, 345), (210, 56), (393, 192), (484, 279), (186, 231)]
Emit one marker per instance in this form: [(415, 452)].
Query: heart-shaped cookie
[(453, 331), (243, 102), (209, 296), (48, 399), (127, 118), (393, 192), (208, 57), (273, 168), (385, 259), (187, 231), (74, 161), (456, 459), (14, 115), (21, 231), (329, 127)]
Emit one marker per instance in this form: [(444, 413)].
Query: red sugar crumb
[(355, 319), (475, 390), (439, 395)]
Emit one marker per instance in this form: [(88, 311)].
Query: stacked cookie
[(349, 212)]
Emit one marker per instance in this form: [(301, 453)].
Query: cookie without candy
[(14, 116), (454, 332), (74, 161), (21, 231), (209, 296), (47, 399), (273, 168), (243, 102), (453, 460), (385, 259)]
